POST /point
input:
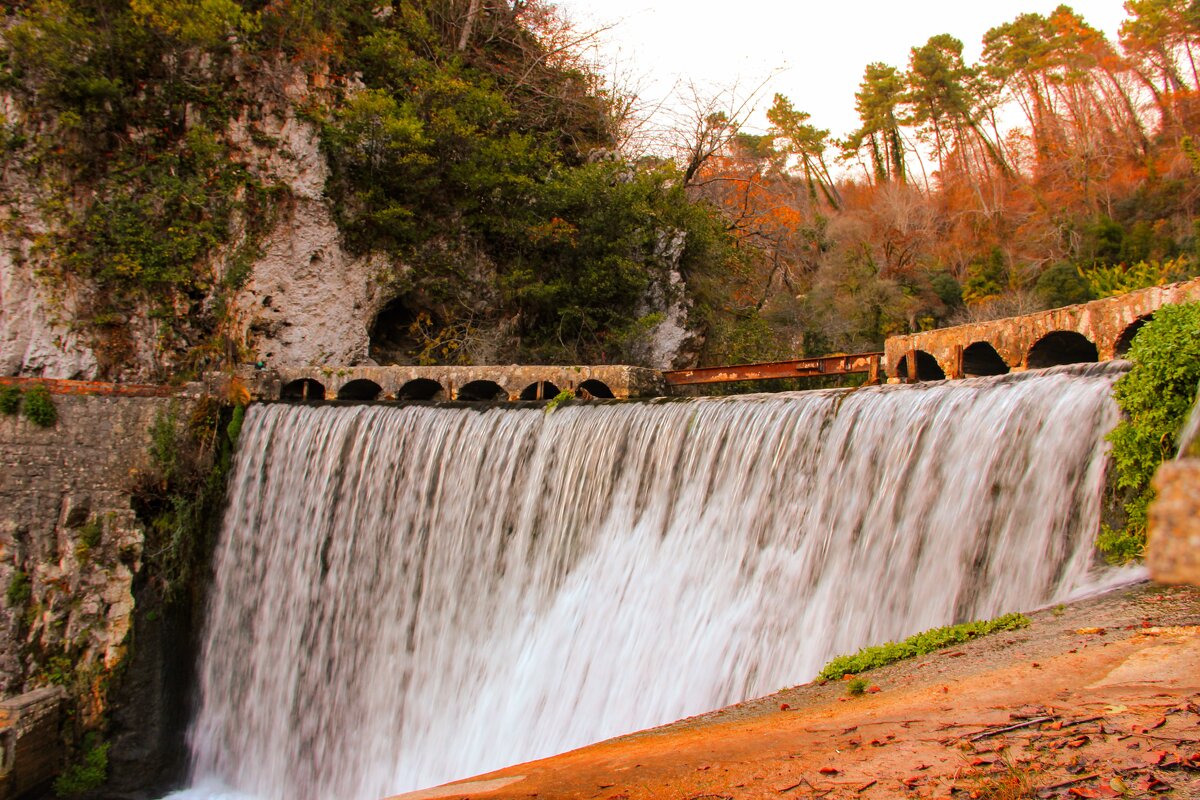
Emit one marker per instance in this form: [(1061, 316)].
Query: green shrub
[(918, 645), (39, 407), (10, 400), (1109, 280), (856, 687), (19, 590), (1155, 396), (1063, 285), (87, 775)]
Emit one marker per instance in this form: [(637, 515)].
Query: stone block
[(1173, 548)]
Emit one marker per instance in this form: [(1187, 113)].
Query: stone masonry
[(1103, 323), (511, 382), (71, 547)]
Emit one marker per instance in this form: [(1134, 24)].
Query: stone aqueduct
[(495, 383), (1097, 331)]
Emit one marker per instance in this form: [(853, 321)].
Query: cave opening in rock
[(393, 337)]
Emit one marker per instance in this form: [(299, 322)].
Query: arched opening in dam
[(481, 391), (305, 389), (541, 390), (421, 390), (927, 368), (1125, 340), (980, 359), (1061, 347), (594, 388), (360, 389)]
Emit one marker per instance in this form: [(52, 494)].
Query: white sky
[(817, 49)]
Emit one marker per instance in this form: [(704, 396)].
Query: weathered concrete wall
[(30, 751), (1102, 322), (513, 380), (71, 547)]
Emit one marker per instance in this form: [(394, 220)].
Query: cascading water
[(409, 595)]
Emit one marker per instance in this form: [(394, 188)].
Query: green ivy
[(1155, 397), (918, 645)]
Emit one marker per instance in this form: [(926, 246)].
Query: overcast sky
[(816, 50)]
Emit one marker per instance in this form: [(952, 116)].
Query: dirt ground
[(1096, 699)]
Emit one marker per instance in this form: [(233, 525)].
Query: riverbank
[(1100, 698)]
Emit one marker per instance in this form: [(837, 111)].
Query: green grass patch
[(918, 645), (88, 774)]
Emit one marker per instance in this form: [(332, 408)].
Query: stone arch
[(482, 391), (421, 389), (1125, 340), (980, 358), (1061, 347), (302, 389), (594, 388), (360, 389), (928, 368), (541, 390)]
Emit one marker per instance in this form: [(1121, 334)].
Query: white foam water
[(409, 595)]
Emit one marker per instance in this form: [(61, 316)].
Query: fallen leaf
[(874, 690), (784, 706), (828, 770), (1090, 631)]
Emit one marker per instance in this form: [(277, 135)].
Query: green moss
[(10, 399), (19, 589), (563, 397), (88, 774), (38, 407), (919, 644), (91, 532)]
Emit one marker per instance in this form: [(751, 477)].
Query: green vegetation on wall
[(86, 775), (38, 407), (1155, 398), (181, 496), (10, 400)]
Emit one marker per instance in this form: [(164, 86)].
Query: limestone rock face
[(35, 336), (307, 301)]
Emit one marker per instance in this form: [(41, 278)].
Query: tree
[(877, 102), (808, 143)]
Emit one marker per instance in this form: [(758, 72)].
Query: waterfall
[(410, 595)]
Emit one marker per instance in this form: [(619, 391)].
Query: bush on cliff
[(39, 407), (1155, 398), (10, 400)]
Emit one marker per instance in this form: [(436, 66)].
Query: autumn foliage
[(1059, 164)]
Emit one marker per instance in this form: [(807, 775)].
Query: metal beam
[(799, 368)]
